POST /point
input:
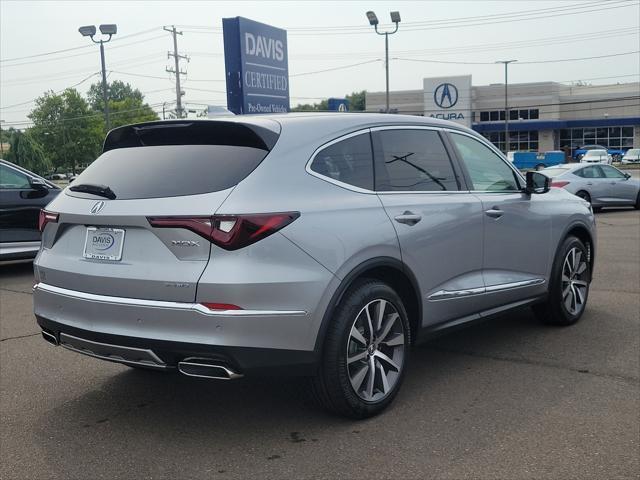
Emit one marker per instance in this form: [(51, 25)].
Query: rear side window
[(412, 160), (348, 161), (171, 170)]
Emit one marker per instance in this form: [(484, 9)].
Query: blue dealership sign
[(338, 104), (256, 64)]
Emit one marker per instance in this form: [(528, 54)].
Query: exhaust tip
[(50, 337), (207, 368)]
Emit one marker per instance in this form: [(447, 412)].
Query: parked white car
[(632, 156), (596, 156)]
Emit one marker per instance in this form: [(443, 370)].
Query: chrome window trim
[(467, 292), (184, 306), (375, 192), (501, 156)]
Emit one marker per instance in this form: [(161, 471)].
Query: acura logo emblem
[(97, 207), (445, 95)]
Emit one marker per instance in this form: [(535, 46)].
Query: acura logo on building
[(97, 207), (445, 95)]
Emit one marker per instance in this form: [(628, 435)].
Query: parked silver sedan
[(599, 184)]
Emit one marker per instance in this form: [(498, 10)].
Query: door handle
[(408, 218), (589, 183), (494, 212)]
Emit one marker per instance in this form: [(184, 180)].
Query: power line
[(335, 68), (449, 23), (59, 91), (72, 73), (533, 62), (83, 53), (54, 52)]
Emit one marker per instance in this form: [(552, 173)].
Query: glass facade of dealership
[(542, 116), (610, 137)]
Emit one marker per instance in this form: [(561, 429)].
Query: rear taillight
[(46, 217), (559, 184), (230, 232)]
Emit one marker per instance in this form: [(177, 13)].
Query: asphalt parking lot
[(506, 399)]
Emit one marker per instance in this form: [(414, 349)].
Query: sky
[(326, 35)]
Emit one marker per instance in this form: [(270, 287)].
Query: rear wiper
[(100, 190)]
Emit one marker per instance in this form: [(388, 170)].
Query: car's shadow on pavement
[(190, 415)]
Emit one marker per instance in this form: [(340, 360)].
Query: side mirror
[(537, 183), (37, 184), (627, 176)]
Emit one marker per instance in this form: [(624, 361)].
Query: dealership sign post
[(448, 98), (256, 64)]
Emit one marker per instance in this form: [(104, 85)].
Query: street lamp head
[(87, 30), (109, 29), (373, 20), (395, 17)]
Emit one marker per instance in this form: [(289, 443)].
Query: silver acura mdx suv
[(322, 245)]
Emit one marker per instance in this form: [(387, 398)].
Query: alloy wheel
[(574, 283), (375, 350)]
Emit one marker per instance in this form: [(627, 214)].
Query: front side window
[(412, 160), (11, 179), (610, 172), (487, 171), (348, 161)]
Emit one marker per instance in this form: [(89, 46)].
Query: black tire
[(332, 386), (554, 310), (637, 205), (584, 195)]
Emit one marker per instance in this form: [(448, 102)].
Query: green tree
[(357, 101), (27, 152), (322, 106), (126, 104), (69, 131)]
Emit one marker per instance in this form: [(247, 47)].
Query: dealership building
[(543, 116)]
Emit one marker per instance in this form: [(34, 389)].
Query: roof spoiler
[(191, 132)]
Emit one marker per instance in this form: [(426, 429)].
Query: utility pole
[(176, 56), (506, 103)]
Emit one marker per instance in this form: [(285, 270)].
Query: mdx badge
[(185, 243)]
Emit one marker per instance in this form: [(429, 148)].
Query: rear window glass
[(171, 170)]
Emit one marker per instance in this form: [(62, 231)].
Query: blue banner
[(257, 67), (338, 104)]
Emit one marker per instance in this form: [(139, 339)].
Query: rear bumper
[(251, 341)]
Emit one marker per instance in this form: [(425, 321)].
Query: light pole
[(506, 103), (373, 21), (106, 29)]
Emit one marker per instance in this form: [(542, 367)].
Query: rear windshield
[(170, 170), (554, 172)]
